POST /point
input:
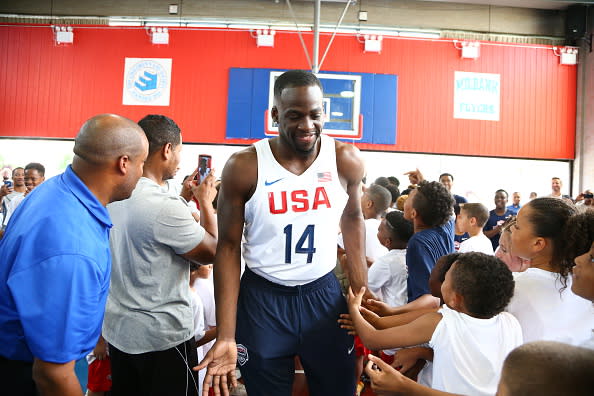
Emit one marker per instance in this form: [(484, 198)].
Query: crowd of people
[(433, 294)]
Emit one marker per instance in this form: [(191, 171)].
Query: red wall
[(48, 90)]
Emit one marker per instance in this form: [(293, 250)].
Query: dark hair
[(548, 218), (502, 190), (579, 233), (434, 203), (382, 181), (394, 181), (478, 211), (380, 196), (394, 192), (443, 264), (541, 360), (485, 283), (446, 174), (37, 166), (400, 228), (159, 131), (295, 78), (16, 169)]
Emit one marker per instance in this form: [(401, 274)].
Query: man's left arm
[(351, 171)]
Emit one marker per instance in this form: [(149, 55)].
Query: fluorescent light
[(125, 22), (419, 34)]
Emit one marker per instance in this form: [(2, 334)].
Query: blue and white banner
[(147, 82), (477, 96)]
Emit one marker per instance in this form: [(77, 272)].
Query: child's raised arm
[(417, 332)]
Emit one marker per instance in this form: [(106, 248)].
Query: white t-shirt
[(373, 248), (469, 352), (387, 278), (205, 289), (478, 243), (11, 206), (199, 330), (547, 315)]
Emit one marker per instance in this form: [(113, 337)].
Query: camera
[(590, 196)]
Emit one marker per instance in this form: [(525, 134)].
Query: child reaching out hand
[(470, 335)]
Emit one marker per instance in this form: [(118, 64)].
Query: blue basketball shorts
[(275, 323)]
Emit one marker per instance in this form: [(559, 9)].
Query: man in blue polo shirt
[(55, 262)]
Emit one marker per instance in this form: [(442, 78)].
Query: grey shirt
[(149, 303)]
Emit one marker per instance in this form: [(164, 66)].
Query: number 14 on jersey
[(305, 244)]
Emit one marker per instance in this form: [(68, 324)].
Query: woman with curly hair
[(543, 301)]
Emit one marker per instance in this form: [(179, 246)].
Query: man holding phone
[(10, 190), (286, 196), (585, 201), (148, 317)]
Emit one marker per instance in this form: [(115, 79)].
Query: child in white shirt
[(472, 219), (470, 335)]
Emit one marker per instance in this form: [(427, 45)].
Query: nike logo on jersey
[(350, 350), (269, 183)]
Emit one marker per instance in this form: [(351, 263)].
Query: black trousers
[(167, 373), (16, 377)]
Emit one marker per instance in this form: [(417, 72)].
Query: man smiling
[(290, 192)]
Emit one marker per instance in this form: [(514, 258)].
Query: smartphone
[(8, 183), (204, 166)]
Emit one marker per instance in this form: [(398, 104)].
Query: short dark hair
[(446, 174), (16, 169), (394, 180), (478, 211), (502, 190), (541, 361), (380, 196), (485, 283), (434, 203), (159, 131), (295, 78), (37, 166), (400, 228), (394, 192), (382, 181), (443, 264), (549, 217)]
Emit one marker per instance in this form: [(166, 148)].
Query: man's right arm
[(238, 182), (205, 192), (56, 379)]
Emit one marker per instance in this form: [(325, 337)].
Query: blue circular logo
[(146, 81)]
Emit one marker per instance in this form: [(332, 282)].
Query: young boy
[(470, 335), (472, 219), (531, 369), (387, 276)]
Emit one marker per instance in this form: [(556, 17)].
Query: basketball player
[(291, 192)]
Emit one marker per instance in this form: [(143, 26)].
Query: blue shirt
[(424, 249), (514, 208), (55, 266), (495, 220)]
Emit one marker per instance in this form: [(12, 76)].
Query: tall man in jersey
[(291, 193)]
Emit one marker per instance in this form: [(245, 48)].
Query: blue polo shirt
[(55, 267), (424, 249)]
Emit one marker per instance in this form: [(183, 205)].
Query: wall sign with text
[(477, 96)]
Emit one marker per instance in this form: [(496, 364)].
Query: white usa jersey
[(291, 221)]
